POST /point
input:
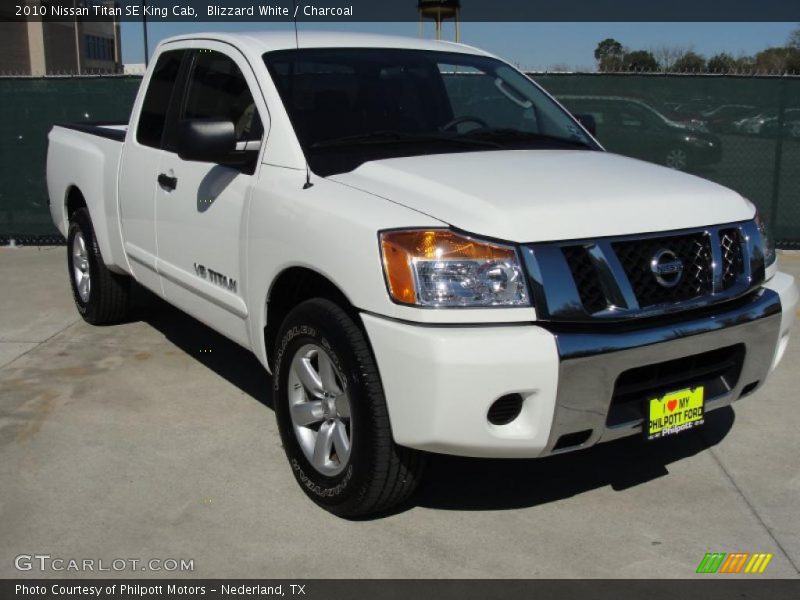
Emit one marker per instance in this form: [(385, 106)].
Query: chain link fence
[(740, 131)]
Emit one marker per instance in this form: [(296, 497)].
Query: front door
[(140, 161), (201, 207)]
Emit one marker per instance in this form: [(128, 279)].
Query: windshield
[(352, 105)]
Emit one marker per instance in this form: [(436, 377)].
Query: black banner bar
[(403, 10), (710, 588)]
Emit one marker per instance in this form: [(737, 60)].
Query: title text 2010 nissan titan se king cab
[(424, 248)]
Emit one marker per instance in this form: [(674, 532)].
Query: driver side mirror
[(206, 140), (588, 122)]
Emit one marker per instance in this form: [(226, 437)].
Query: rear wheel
[(332, 415), (101, 296)]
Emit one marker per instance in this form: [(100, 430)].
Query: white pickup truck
[(424, 248)]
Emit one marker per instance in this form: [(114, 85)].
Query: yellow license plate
[(675, 412)]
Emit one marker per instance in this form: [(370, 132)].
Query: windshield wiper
[(392, 137), (513, 135)]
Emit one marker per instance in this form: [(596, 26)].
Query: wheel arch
[(76, 198), (292, 286), (73, 200)]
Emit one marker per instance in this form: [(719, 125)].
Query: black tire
[(108, 298), (379, 474)]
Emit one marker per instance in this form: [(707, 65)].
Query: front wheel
[(332, 415)]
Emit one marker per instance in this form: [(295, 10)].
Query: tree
[(794, 39), (778, 60), (609, 55), (667, 55), (745, 64), (793, 62), (691, 62), (640, 60), (721, 63)]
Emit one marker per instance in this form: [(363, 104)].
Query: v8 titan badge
[(675, 412)]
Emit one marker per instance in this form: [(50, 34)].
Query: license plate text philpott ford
[(675, 412)]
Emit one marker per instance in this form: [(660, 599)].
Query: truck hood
[(546, 195)]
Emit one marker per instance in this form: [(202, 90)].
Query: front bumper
[(440, 381)]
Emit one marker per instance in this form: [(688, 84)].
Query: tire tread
[(110, 296), (396, 470)]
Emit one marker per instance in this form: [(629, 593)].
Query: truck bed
[(82, 164), (107, 129)]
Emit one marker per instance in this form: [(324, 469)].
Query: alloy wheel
[(320, 410), (80, 267)]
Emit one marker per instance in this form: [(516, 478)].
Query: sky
[(535, 46)]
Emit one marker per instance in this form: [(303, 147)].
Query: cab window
[(158, 99)]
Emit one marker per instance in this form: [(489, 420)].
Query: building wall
[(14, 56), (103, 35), (59, 44), (48, 47)]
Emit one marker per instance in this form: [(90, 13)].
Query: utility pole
[(77, 38), (144, 31)]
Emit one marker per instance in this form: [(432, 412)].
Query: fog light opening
[(505, 409)]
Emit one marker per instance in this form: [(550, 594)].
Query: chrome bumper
[(590, 364)]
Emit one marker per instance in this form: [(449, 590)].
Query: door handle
[(167, 182)]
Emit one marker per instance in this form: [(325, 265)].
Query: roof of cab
[(259, 42)]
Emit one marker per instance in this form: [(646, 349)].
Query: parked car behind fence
[(632, 127)]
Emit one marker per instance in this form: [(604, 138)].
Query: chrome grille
[(694, 251), (732, 260), (615, 278), (586, 278)]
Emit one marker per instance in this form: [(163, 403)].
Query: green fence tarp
[(30, 107), (751, 123), (755, 121)]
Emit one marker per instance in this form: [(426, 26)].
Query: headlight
[(440, 268), (766, 240)]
